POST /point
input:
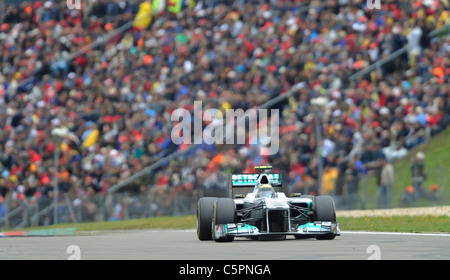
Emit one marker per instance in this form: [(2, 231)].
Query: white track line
[(396, 233)]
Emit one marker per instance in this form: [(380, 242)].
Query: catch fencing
[(32, 211)]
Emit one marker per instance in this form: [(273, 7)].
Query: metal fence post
[(442, 183)]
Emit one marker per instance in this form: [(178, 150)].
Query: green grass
[(391, 224), (176, 222), (437, 168), (397, 224)]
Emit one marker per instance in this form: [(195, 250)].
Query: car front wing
[(310, 229)]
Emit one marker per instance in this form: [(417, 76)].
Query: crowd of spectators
[(117, 97)]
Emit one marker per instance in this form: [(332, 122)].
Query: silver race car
[(260, 210)]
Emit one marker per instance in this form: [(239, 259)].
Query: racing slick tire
[(224, 213), (205, 212), (324, 211)]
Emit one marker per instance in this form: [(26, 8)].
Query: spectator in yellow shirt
[(328, 180)]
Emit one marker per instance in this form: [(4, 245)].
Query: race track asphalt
[(184, 245)]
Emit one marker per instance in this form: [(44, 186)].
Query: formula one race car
[(258, 209)]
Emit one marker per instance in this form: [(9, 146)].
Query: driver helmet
[(265, 190)]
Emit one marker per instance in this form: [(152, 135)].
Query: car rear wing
[(242, 184)]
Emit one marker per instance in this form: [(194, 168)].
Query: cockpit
[(265, 191), (263, 188)]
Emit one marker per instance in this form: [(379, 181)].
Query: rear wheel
[(205, 211), (224, 213), (324, 211)]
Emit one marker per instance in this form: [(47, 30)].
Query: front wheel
[(324, 211), (205, 211), (224, 213)]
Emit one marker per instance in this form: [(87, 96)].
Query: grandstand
[(110, 74)]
